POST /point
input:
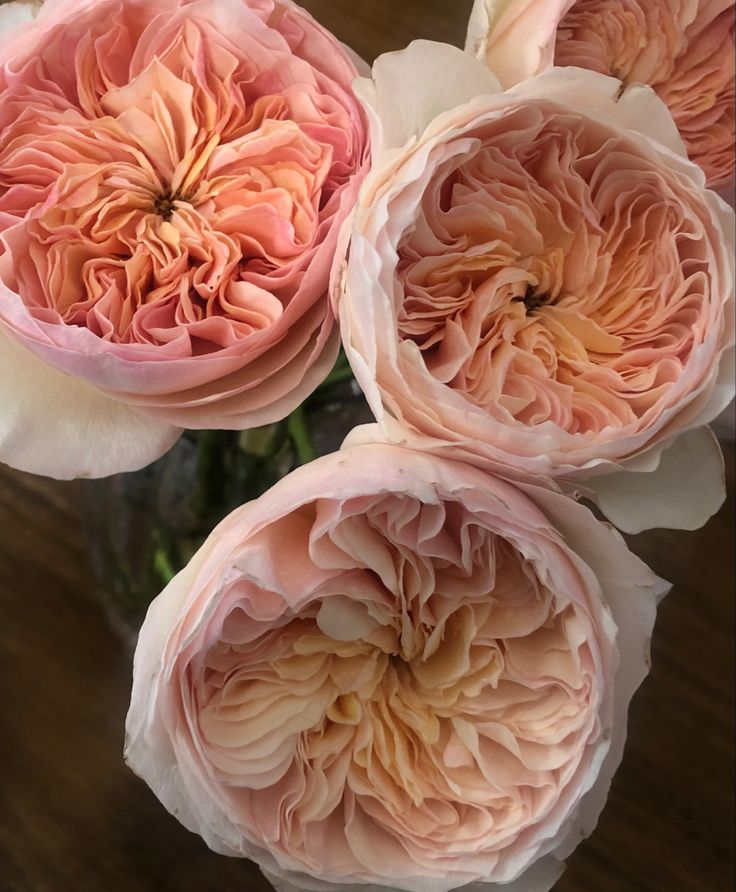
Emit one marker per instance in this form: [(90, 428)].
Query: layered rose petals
[(555, 286), (684, 49), (395, 670), (173, 177)]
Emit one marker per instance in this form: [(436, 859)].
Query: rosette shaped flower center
[(167, 178), (433, 696), (390, 669), (553, 275), (682, 48)]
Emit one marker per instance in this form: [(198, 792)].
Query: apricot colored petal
[(62, 427), (685, 490)]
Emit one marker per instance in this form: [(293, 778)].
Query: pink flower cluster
[(408, 665)]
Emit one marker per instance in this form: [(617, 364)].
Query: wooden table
[(74, 819)]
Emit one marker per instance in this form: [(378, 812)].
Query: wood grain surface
[(74, 819)]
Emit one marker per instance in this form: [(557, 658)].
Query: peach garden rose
[(396, 671), (683, 48), (173, 177), (537, 281)]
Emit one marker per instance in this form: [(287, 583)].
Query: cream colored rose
[(684, 49), (394, 670), (537, 281)]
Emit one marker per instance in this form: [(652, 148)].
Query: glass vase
[(143, 527)]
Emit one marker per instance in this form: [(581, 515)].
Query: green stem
[(299, 433), (162, 565), (211, 448), (337, 375), (341, 371)]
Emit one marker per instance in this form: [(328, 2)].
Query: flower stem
[(299, 433), (341, 371)]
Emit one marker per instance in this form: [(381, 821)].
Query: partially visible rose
[(173, 178), (538, 282), (684, 49), (394, 669)]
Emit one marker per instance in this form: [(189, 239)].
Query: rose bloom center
[(435, 691), (553, 274)]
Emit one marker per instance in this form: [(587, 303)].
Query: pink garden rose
[(396, 670), (173, 178), (683, 48), (538, 282)]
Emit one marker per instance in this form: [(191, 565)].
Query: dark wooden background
[(74, 819)]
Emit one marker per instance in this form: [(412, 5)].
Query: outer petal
[(684, 491), (147, 747), (18, 13), (638, 107), (398, 101), (515, 38), (632, 592), (540, 877), (59, 426)]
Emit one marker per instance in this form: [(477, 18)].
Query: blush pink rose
[(173, 177), (394, 669), (538, 282), (684, 49)]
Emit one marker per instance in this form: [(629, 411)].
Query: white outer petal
[(540, 877), (515, 38), (17, 13), (479, 28), (412, 87), (682, 493), (62, 427), (149, 751)]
